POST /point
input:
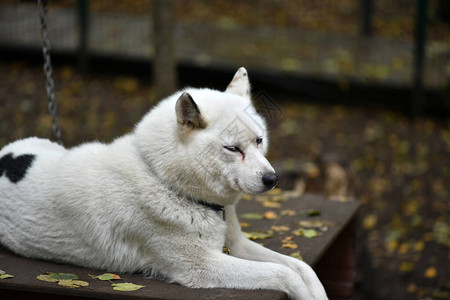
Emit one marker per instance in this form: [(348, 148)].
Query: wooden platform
[(331, 254)]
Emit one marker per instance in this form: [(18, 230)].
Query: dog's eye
[(258, 141), (232, 148)]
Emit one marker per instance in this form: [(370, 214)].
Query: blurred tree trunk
[(164, 66)]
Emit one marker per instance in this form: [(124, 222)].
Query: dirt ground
[(399, 169)]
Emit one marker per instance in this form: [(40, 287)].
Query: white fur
[(128, 206)]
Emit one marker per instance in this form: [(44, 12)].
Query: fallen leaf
[(431, 272), (404, 248), (126, 287), (314, 223), (247, 197), (106, 276), (278, 198), (391, 245), (271, 204), (71, 283), (340, 198), (275, 191), (258, 235), (252, 216), (290, 245), (295, 193), (47, 278), (412, 288), (63, 276), (309, 213), (244, 224), (441, 232), (3, 275), (406, 266), (310, 233), (419, 246), (280, 228), (287, 238), (370, 221), (288, 212), (270, 215), (296, 255)]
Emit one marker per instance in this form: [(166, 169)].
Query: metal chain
[(48, 70)]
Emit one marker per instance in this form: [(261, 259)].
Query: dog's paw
[(310, 278)]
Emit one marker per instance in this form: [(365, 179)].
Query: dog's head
[(208, 144)]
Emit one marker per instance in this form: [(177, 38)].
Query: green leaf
[(310, 233), (106, 276), (6, 276), (252, 216), (126, 287), (296, 255), (309, 213)]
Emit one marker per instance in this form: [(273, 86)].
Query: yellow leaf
[(419, 246), (279, 198), (370, 221), (72, 283), (290, 245), (271, 204), (287, 238), (404, 248), (288, 212), (412, 288), (258, 235), (126, 287), (126, 84), (275, 191), (406, 266), (431, 272), (244, 224), (46, 278), (280, 228), (270, 215), (246, 197), (391, 245)]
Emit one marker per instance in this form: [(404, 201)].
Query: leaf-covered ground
[(399, 169), (393, 19)]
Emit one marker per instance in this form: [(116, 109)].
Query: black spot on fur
[(15, 168)]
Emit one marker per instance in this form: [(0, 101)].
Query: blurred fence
[(348, 42)]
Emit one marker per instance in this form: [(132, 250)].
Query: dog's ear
[(240, 84), (188, 113)]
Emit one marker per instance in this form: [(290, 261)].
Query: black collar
[(215, 207)]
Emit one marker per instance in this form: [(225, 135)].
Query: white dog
[(152, 200)]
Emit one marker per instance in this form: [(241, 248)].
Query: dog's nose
[(270, 180)]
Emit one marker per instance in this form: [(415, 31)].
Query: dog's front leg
[(244, 248), (218, 270)]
